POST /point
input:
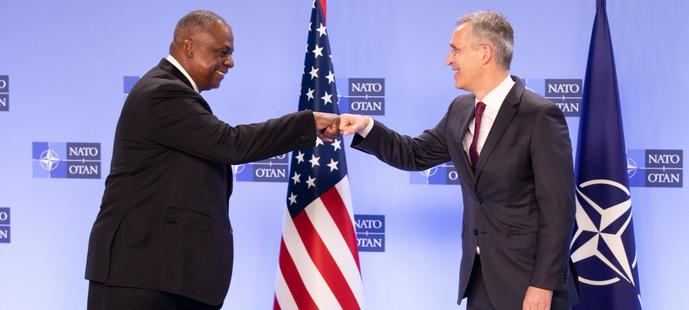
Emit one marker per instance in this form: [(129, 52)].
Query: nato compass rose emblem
[(49, 160), (237, 169), (429, 172), (600, 236), (632, 167)]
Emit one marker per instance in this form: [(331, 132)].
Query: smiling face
[(465, 58), (209, 55)]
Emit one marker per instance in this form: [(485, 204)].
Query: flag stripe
[(276, 306), (335, 206), (295, 293), (345, 194), (324, 261), (324, 8), (336, 246), (313, 281)]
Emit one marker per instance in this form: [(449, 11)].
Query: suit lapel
[(465, 116), (507, 111), (169, 67)]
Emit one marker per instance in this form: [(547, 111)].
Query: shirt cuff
[(364, 131)]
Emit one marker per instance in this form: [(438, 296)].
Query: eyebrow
[(225, 49)]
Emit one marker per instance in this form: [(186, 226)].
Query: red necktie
[(473, 149)]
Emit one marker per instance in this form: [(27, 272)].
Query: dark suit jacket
[(519, 205), (163, 222)]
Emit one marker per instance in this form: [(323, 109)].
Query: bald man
[(162, 238)]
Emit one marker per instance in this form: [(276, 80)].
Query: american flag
[(319, 260)]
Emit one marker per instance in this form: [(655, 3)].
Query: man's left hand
[(537, 299)]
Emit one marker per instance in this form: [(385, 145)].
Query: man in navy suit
[(512, 151), (162, 238)]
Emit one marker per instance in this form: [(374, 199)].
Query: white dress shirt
[(493, 101), (174, 62)]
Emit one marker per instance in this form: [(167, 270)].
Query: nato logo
[(655, 168), (66, 160), (565, 93), (370, 232), (273, 169), (4, 92), (128, 83), (4, 225), (442, 174), (366, 97)]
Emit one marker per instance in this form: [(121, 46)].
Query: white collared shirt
[(493, 101), (179, 67)]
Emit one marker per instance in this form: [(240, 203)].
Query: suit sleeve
[(404, 152), (177, 119), (551, 154)]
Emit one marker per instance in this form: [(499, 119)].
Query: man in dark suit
[(162, 238), (512, 151)]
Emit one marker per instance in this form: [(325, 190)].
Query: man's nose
[(229, 62), (449, 60)]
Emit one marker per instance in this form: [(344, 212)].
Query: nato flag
[(603, 247)]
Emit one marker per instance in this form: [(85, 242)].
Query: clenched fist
[(351, 124)]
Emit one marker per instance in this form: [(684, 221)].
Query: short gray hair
[(194, 21), (494, 28)]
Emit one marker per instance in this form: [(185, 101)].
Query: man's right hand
[(351, 124), (326, 125)]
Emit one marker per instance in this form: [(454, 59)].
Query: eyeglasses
[(455, 50)]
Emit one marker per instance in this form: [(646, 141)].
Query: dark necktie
[(473, 149)]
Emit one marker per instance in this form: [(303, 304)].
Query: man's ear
[(486, 53), (188, 48)]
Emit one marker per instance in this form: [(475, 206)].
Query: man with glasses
[(512, 151)]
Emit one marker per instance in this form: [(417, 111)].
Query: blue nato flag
[(603, 247)]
